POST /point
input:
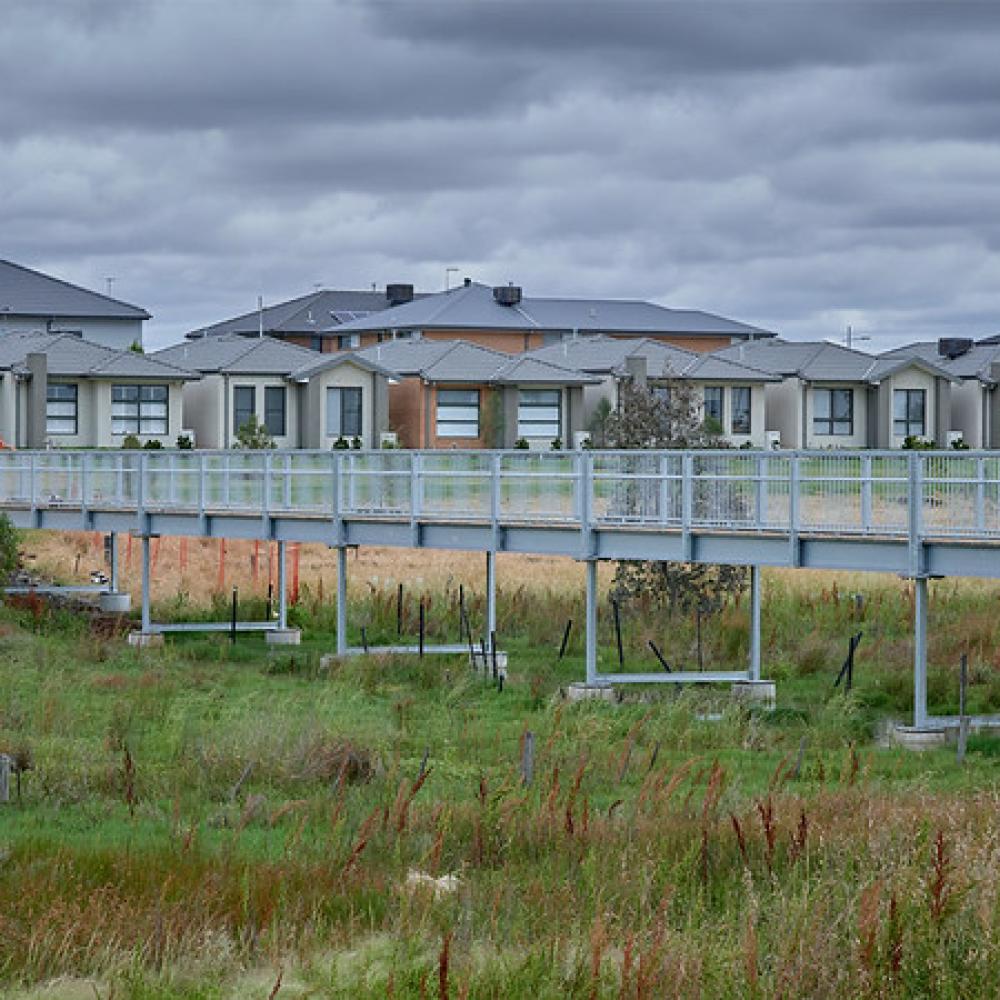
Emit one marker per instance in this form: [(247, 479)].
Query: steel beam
[(755, 623), (491, 598), (591, 622), (342, 600), (146, 616), (282, 587), (920, 653)]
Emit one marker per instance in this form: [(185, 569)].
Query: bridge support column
[(146, 637), (920, 653), (341, 601), (113, 601), (591, 688), (283, 635), (491, 598)]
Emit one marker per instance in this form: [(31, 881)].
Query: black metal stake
[(270, 600), (461, 612), (232, 633), (421, 647), (565, 638), (482, 647), (701, 660), (618, 634), (493, 652), (847, 670), (659, 656), (364, 639), (399, 610)]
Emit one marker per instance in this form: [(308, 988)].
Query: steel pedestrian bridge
[(918, 514)]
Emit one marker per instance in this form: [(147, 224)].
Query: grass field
[(210, 820)]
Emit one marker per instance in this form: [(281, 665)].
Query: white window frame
[(529, 424), (457, 413), (139, 410), (65, 402)]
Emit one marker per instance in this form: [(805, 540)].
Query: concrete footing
[(143, 639), (760, 694), (591, 692), (283, 637), (116, 603), (911, 738), (477, 663)]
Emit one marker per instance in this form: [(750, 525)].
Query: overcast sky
[(797, 165)]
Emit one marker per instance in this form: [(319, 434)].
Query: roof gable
[(26, 292)]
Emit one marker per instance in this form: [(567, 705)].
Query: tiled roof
[(70, 355), (473, 307), (26, 292)]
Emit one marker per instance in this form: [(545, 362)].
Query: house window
[(740, 396), (244, 405), (316, 342), (60, 408), (139, 409), (539, 414), (457, 413), (713, 403), (909, 408), (833, 412), (349, 341), (661, 393), (343, 411), (274, 410)]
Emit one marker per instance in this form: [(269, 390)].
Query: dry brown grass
[(193, 566)]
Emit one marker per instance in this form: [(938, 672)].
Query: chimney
[(38, 390), (398, 293), (466, 282), (635, 367), (507, 295), (953, 347)]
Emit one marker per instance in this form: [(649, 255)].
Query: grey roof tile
[(472, 307), (308, 314), (70, 355), (976, 363), (460, 361), (26, 292)]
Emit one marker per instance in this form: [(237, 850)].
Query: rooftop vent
[(397, 294), (954, 347), (507, 295)]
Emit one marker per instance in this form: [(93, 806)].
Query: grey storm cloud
[(801, 165)]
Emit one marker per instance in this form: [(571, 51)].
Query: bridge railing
[(947, 494)]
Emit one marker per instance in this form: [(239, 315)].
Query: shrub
[(356, 443), (153, 444), (10, 558), (131, 442), (556, 444), (341, 444), (253, 436), (184, 442), (521, 444), (913, 442), (960, 444)]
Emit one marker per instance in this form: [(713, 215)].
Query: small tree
[(253, 435), (669, 416)]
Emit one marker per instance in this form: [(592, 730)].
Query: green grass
[(655, 852)]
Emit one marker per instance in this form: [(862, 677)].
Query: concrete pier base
[(144, 639), (116, 603), (591, 692), (760, 694), (283, 637), (486, 668), (924, 738)]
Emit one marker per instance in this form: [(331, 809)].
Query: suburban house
[(302, 399), (59, 390), (504, 319), (730, 394), (453, 394), (975, 399), (311, 320), (835, 397), (32, 302)]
